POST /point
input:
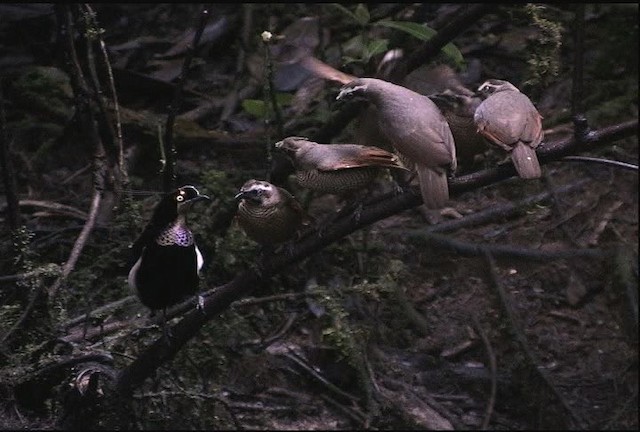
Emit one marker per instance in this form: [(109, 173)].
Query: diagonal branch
[(446, 34), (160, 352)]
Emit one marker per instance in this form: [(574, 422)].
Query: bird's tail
[(433, 186), (526, 162)]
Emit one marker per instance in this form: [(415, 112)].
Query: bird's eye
[(179, 198)]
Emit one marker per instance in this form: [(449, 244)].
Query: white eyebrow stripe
[(259, 187)]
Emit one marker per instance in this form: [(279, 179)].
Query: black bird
[(167, 260)]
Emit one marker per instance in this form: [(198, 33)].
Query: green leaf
[(345, 11), (417, 30), (354, 47), (362, 14), (376, 46), (283, 99), (255, 107), (452, 51), (424, 33)]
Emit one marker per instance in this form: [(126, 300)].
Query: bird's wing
[(532, 133), (342, 156), (290, 201), (507, 118), (147, 236)]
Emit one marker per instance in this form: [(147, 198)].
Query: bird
[(459, 109), (167, 259), (427, 80), (336, 168), (508, 119), (269, 214), (416, 129)]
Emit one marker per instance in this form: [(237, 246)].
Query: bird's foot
[(398, 189), (435, 216), (258, 267), (357, 212), (167, 334), (288, 248), (451, 213)]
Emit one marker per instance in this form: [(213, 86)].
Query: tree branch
[(460, 23), (220, 298)]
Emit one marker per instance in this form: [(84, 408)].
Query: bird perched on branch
[(167, 260), (336, 168), (508, 119), (417, 130), (459, 109), (269, 214)]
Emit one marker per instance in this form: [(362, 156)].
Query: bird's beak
[(248, 194), (201, 197), (343, 94), (437, 98), (196, 199), (347, 92), (188, 205)]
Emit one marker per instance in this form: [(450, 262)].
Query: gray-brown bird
[(426, 80), (509, 120), (417, 129), (459, 109), (268, 214), (336, 168)]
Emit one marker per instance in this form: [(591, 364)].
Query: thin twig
[(35, 297), (493, 369), (580, 124), (356, 416), (54, 206), (116, 106), (521, 339), (79, 244), (291, 355), (503, 211), (592, 240), (610, 162), (270, 101), (170, 150), (49, 268), (99, 311), (506, 251), (81, 94)]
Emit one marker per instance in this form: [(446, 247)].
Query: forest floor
[(524, 319)]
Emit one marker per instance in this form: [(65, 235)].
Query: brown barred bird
[(417, 130), (268, 214), (336, 168), (167, 260), (508, 119), (459, 109)]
